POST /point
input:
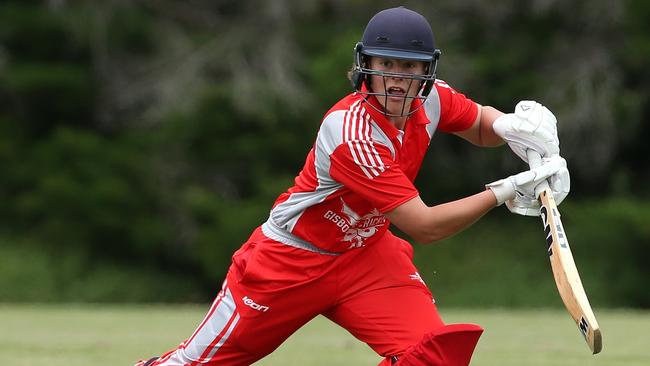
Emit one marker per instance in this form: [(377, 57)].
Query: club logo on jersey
[(356, 228)]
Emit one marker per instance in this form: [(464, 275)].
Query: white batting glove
[(560, 184), (524, 205), (531, 126), (528, 205), (520, 188)]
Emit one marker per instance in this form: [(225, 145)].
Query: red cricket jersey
[(360, 167)]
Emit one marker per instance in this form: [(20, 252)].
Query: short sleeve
[(457, 112)]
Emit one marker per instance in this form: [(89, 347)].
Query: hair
[(364, 63), (349, 73)]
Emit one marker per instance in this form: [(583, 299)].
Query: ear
[(426, 88), (357, 76)]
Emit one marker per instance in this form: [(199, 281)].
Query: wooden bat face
[(566, 274)]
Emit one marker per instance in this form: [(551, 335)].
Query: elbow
[(423, 230), (419, 222), (427, 236)]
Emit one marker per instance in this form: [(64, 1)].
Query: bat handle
[(535, 160)]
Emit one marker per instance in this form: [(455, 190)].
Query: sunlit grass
[(70, 335)]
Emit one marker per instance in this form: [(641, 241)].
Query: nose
[(397, 70)]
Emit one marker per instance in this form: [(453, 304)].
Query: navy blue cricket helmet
[(397, 33)]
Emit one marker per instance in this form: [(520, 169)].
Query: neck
[(398, 122)]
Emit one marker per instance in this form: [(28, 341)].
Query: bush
[(29, 273), (502, 260)]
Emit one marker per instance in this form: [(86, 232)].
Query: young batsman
[(326, 247)]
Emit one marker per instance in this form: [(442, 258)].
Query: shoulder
[(439, 100), (337, 122), (444, 90), (457, 112), (345, 103), (344, 112)]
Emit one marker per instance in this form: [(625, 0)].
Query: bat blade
[(566, 274)]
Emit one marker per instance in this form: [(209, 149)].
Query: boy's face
[(397, 87)]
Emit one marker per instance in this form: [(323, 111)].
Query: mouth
[(396, 91)]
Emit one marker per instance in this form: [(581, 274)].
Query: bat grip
[(535, 160)]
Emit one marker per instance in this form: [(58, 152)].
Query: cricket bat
[(564, 268)]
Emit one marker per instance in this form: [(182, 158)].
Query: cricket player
[(326, 247)]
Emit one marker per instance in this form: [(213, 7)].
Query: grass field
[(76, 335)]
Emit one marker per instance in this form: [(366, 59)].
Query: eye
[(385, 63)]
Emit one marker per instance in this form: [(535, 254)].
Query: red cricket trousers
[(273, 289)]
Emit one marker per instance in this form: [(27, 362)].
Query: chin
[(397, 110)]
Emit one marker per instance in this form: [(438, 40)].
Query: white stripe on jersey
[(432, 108), (338, 128), (357, 131), (350, 124), (374, 155)]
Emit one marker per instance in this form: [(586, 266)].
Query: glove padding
[(528, 205), (531, 126), (519, 189)]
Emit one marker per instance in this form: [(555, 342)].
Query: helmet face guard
[(361, 73), (402, 34)]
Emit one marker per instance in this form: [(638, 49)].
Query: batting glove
[(528, 205), (531, 126), (520, 188)]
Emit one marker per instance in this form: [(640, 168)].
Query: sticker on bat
[(562, 241), (584, 326), (543, 213)]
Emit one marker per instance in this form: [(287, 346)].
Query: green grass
[(57, 335)]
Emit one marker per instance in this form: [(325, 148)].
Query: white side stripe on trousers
[(214, 330)]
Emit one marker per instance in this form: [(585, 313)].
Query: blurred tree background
[(142, 141)]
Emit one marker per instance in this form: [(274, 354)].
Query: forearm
[(453, 217), (430, 224)]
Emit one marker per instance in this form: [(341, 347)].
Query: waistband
[(273, 231)]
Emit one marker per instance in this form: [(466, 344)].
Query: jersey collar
[(419, 117)]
